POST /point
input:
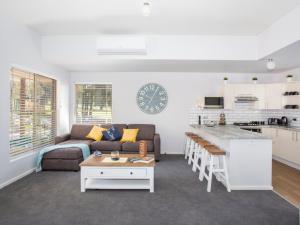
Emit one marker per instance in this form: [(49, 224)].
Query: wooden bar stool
[(215, 159), (193, 148), (188, 142), (199, 153)]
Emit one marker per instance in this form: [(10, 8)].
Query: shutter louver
[(32, 111), (93, 103)]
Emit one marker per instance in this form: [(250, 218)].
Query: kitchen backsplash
[(243, 115)]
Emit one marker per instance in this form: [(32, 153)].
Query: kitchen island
[(249, 155)]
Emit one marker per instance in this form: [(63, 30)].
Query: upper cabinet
[(244, 96), (262, 96), (274, 95)]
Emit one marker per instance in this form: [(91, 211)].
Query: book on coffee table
[(141, 160)]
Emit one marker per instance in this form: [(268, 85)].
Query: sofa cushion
[(106, 146), (80, 131), (134, 147), (119, 127), (64, 153), (129, 135), (112, 134), (67, 153), (146, 131)]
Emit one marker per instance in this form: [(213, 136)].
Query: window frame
[(32, 150), (73, 107)]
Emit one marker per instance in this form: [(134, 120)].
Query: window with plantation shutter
[(32, 111), (93, 103)]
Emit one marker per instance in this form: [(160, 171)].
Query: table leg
[(82, 181), (151, 178)]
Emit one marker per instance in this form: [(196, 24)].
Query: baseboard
[(291, 164), (252, 188), (12, 180)]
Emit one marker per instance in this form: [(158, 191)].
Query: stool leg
[(226, 173), (218, 167), (211, 164), (187, 147), (192, 149), (203, 164), (196, 158)]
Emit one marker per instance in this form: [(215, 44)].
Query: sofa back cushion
[(146, 131), (80, 131), (119, 127)]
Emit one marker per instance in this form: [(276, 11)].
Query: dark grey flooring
[(179, 198)]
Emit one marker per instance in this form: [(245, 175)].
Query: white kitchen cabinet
[(272, 133), (286, 143), (231, 91), (274, 95)]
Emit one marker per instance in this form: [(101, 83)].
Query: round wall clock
[(152, 98)]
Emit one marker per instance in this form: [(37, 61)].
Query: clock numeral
[(141, 98), (161, 93), (142, 93), (163, 99), (151, 109), (152, 87), (142, 103), (161, 104), (157, 108)]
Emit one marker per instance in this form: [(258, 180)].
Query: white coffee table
[(96, 174)]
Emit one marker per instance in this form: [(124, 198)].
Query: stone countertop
[(297, 129), (229, 132)]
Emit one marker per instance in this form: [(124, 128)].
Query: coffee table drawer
[(116, 172)]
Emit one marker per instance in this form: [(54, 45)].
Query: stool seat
[(203, 143), (214, 150)]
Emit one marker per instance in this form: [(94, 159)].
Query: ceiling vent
[(121, 45)]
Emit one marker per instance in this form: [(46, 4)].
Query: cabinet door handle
[(131, 173), (101, 172)]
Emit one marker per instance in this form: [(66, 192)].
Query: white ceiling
[(209, 17), (287, 58)]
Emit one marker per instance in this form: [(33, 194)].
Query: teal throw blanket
[(84, 148)]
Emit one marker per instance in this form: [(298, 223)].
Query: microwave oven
[(214, 102)]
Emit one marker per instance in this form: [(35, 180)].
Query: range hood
[(245, 99)]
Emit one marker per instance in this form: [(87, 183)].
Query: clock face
[(152, 98)]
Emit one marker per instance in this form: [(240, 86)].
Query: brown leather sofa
[(69, 159)]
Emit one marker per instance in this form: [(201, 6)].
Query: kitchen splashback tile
[(242, 115)]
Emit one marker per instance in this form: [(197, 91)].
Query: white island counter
[(249, 155)]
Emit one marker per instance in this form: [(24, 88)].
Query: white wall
[(183, 90), (20, 46)]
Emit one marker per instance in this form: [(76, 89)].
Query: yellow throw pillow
[(129, 135), (96, 133)]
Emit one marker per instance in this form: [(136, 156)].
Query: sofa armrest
[(62, 138), (156, 141)]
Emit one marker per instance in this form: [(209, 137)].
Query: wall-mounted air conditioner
[(121, 45)]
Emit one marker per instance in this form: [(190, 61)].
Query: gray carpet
[(179, 198)]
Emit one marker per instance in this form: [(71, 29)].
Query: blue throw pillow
[(111, 134)]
